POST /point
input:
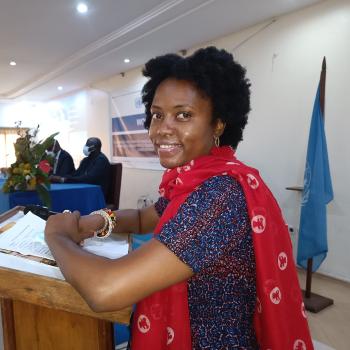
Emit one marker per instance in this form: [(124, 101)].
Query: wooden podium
[(44, 313)]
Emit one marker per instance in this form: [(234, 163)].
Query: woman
[(219, 273)]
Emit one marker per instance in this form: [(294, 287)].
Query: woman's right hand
[(64, 224)]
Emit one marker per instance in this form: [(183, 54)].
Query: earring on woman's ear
[(217, 141)]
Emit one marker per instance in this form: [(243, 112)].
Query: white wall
[(135, 182), (283, 62), (98, 122)]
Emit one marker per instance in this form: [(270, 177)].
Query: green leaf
[(49, 140), (44, 195)]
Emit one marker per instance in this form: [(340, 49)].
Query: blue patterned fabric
[(211, 233)]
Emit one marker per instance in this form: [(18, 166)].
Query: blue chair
[(138, 240)]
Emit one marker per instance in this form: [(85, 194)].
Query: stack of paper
[(27, 237)]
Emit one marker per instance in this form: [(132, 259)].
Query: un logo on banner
[(138, 102), (307, 181)]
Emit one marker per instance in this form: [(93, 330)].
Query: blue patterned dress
[(211, 233)]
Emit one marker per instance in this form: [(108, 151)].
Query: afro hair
[(217, 76)]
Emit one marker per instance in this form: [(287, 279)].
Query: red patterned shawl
[(161, 321)]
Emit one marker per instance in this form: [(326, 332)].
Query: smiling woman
[(219, 270), (182, 128)]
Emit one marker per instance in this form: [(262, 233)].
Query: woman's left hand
[(66, 224)]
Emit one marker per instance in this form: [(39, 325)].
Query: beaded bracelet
[(96, 233), (109, 225)]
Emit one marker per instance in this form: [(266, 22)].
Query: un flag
[(317, 194)]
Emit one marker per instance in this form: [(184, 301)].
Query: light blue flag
[(317, 194)]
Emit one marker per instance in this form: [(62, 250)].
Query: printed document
[(27, 237)]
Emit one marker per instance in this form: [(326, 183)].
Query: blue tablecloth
[(4, 199), (83, 197)]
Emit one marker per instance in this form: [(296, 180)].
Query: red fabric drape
[(161, 321)]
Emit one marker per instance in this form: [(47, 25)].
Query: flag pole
[(323, 85), (315, 302), (308, 278), (322, 98)]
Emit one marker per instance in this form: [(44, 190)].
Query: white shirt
[(55, 162)]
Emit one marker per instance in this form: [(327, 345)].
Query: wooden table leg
[(8, 325), (105, 335)]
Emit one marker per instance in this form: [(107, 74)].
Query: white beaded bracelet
[(105, 224), (109, 218)]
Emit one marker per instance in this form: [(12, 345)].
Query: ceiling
[(55, 46)]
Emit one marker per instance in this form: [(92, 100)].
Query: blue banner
[(129, 123), (317, 193)]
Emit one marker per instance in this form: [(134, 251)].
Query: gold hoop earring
[(217, 141)]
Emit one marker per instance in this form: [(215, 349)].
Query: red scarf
[(161, 321)]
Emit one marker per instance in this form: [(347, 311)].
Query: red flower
[(45, 166)]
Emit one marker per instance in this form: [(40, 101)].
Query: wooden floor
[(330, 326)]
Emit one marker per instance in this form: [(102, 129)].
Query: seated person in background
[(63, 164), (94, 168), (3, 173)]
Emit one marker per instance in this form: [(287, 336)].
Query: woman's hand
[(66, 224)]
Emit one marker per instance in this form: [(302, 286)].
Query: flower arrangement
[(31, 169)]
